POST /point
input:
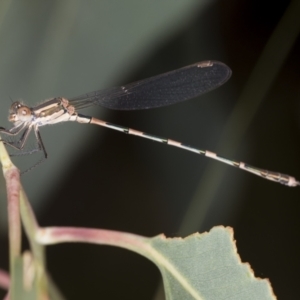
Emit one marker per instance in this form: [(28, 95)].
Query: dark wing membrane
[(161, 90)]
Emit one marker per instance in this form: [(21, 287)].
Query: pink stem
[(4, 280), (55, 235)]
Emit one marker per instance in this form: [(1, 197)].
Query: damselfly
[(161, 90)]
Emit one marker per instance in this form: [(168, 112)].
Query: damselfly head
[(19, 112)]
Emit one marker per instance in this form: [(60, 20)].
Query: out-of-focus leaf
[(18, 289)]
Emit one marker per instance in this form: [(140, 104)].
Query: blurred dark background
[(99, 178)]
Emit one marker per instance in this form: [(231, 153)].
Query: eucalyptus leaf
[(206, 266)]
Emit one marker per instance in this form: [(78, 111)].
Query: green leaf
[(18, 291), (206, 266)]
